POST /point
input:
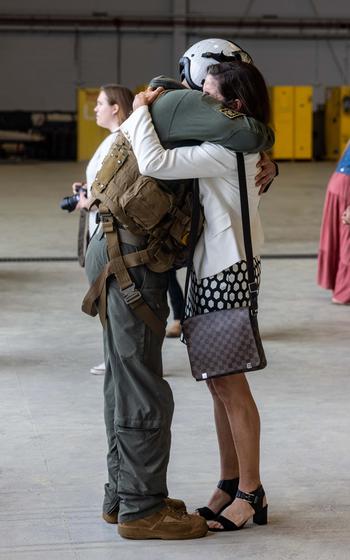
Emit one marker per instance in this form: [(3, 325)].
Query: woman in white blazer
[(219, 280)]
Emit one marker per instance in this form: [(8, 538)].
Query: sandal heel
[(256, 500), (260, 518)]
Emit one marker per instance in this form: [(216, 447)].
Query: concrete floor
[(52, 441)]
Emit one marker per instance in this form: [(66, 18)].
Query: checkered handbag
[(223, 343), (228, 341)]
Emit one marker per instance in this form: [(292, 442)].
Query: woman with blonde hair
[(113, 106)]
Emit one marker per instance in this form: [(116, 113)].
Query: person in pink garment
[(334, 252)]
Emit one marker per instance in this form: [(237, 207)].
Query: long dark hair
[(120, 95), (243, 81)]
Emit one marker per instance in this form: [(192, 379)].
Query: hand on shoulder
[(146, 97)]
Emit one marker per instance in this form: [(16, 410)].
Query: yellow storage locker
[(337, 117), (291, 108), (303, 122), (89, 135), (282, 121)]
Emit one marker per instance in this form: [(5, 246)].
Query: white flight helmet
[(195, 61)]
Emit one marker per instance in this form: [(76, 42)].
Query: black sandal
[(229, 486), (256, 500)]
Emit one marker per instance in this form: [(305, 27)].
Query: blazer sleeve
[(206, 160)]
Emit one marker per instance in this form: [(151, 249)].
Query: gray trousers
[(138, 401)]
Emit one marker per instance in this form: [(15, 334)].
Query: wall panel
[(39, 69), (280, 8), (251, 9), (145, 56), (86, 7), (45, 78), (49, 66), (97, 61)]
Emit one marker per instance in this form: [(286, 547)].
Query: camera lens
[(69, 202)]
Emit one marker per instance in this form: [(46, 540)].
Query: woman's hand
[(77, 186), (346, 217), (266, 174), (83, 201), (146, 97)]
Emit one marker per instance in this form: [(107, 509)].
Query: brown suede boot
[(170, 502), (167, 524), (111, 517), (178, 505)]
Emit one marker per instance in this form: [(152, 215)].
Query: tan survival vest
[(136, 209)]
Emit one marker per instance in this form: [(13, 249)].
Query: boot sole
[(143, 534)]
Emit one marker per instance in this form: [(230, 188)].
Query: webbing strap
[(118, 265), (89, 304)]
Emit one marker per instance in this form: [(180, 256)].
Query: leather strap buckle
[(247, 497), (253, 287), (131, 295), (105, 217), (107, 221)]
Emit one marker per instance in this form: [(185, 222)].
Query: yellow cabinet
[(337, 123), (303, 122), (89, 135), (291, 108), (282, 121)]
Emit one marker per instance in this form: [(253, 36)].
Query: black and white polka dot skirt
[(225, 290)]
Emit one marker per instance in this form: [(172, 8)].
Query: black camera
[(69, 202)]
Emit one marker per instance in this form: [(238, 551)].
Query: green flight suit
[(138, 401), (187, 115)]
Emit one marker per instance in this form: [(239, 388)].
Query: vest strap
[(95, 301)]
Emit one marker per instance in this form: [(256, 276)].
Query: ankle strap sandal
[(230, 486), (256, 500)]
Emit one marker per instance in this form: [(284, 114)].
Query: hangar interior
[(52, 461)]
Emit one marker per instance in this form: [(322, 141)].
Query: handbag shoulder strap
[(192, 239), (252, 285)]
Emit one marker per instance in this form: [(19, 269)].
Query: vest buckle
[(131, 294)]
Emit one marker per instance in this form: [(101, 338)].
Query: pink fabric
[(334, 252)]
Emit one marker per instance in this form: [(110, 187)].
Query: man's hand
[(346, 217), (266, 174), (146, 97)]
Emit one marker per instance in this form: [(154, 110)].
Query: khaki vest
[(144, 207), (138, 210)]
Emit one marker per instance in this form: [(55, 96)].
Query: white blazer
[(221, 243)]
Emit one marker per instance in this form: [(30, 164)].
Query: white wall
[(85, 7), (41, 69)]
